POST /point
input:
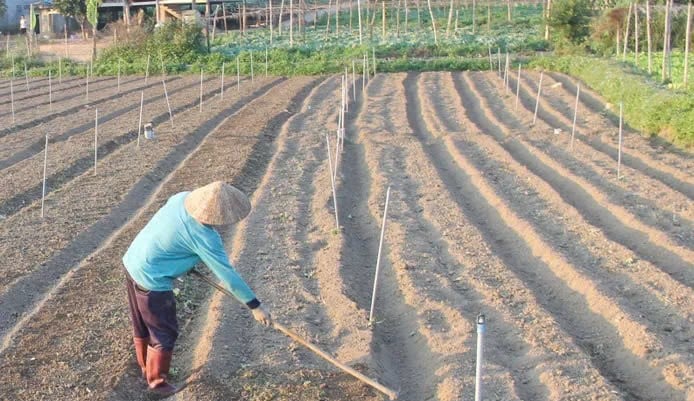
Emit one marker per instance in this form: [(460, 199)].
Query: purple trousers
[(153, 315)]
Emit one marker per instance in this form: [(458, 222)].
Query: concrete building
[(15, 8)]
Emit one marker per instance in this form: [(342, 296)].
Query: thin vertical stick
[(359, 16), (221, 90), (363, 73), (26, 75), (373, 55), (139, 124), (688, 39), (506, 74), (45, 162), (251, 66), (266, 62), (291, 23), (147, 70), (12, 95), (96, 136), (238, 74), (60, 70), (518, 86), (378, 258), (50, 91), (537, 101), (87, 81), (332, 181), (491, 63), (119, 75), (168, 104), (648, 36), (626, 34), (636, 33), (201, 77), (498, 59), (573, 127), (619, 150), (354, 80)]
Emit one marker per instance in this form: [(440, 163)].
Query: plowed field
[(586, 279)]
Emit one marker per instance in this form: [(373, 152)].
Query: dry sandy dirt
[(586, 279)]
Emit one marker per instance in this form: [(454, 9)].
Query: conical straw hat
[(217, 204)]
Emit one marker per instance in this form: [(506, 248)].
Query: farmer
[(181, 234), (22, 25)]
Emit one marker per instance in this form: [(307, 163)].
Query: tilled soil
[(585, 278)]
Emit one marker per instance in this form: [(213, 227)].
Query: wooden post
[(450, 19), (573, 127), (354, 80), (168, 104), (67, 49), (518, 86), (291, 23), (626, 34), (636, 34), (201, 77), (332, 181), (238, 74), (139, 124), (508, 10), (687, 42), (378, 258), (26, 75), (383, 19), (648, 36), (489, 15), (619, 150), (12, 92), (118, 75), (226, 29), (474, 22), (221, 90), (96, 137), (433, 23), (279, 23), (252, 75), (87, 83), (666, 40), (537, 101), (337, 17), (50, 91), (548, 13), (266, 61), (60, 70), (147, 70), (45, 162), (271, 21)]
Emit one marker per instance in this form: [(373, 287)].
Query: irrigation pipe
[(289, 333)]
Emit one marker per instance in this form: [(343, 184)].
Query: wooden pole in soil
[(201, 78), (168, 104), (537, 100), (45, 162), (666, 40), (359, 20), (284, 330), (332, 181), (266, 61), (50, 92), (26, 76), (252, 75), (474, 2), (87, 83), (221, 89), (118, 75), (363, 73), (619, 150), (60, 70), (279, 20), (139, 124), (291, 23), (506, 71), (337, 17), (687, 42), (518, 87), (498, 59), (491, 63), (573, 126), (354, 81), (238, 74), (147, 70), (12, 94), (648, 36), (373, 55), (96, 136), (378, 258), (636, 33), (626, 34)]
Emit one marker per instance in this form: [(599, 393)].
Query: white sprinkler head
[(149, 131)]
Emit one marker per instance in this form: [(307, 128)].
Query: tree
[(3, 8), (76, 9), (93, 17), (570, 21)]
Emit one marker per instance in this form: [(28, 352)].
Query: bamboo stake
[(266, 62), (474, 23), (498, 59), (648, 36), (573, 127), (537, 101), (50, 91), (450, 19), (139, 124), (284, 330), (96, 136), (636, 33), (291, 23), (619, 150), (354, 80), (279, 23), (221, 89), (626, 34), (118, 75), (87, 86), (201, 77), (252, 78), (168, 104), (45, 162), (359, 17), (238, 74), (491, 64), (378, 258), (433, 23), (271, 21), (332, 181), (147, 70), (12, 94), (26, 75), (337, 17), (687, 41), (60, 70), (666, 40), (518, 86)]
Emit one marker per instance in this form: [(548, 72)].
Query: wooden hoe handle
[(289, 333)]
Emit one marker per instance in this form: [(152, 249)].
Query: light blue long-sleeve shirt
[(172, 243)]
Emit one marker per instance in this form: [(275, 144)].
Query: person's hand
[(261, 315)]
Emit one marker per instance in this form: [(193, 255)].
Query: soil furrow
[(55, 181), (507, 286), (583, 312), (13, 128), (22, 145), (562, 227), (105, 369), (67, 85), (669, 213), (616, 223), (673, 177), (94, 87), (27, 288), (403, 360)]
